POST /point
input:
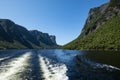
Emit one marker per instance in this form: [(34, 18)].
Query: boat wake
[(1, 59), (96, 65), (51, 70), (13, 69), (102, 66)]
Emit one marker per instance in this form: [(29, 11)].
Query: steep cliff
[(16, 36), (101, 30), (53, 38), (43, 38)]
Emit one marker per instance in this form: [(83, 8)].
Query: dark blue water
[(52, 65)]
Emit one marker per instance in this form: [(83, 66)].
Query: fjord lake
[(58, 64)]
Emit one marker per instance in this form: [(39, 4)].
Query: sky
[(62, 18)]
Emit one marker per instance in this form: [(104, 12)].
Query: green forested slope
[(105, 37), (114, 3)]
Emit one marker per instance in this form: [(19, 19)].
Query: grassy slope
[(106, 37)]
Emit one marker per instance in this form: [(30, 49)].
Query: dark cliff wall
[(16, 36)]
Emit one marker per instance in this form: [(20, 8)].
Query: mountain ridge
[(15, 36)]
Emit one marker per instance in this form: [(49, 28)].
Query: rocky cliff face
[(53, 38), (98, 16), (101, 30), (43, 37), (16, 36)]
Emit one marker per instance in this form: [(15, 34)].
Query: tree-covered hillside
[(114, 3), (101, 30), (106, 37)]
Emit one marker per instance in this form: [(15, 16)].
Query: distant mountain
[(15, 36), (44, 38), (101, 30)]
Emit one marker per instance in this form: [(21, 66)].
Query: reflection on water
[(52, 65)]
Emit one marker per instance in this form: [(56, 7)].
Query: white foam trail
[(52, 71), (99, 65), (4, 58), (12, 70)]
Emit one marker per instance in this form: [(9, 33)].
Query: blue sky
[(62, 18)]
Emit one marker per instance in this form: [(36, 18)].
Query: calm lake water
[(53, 65)]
